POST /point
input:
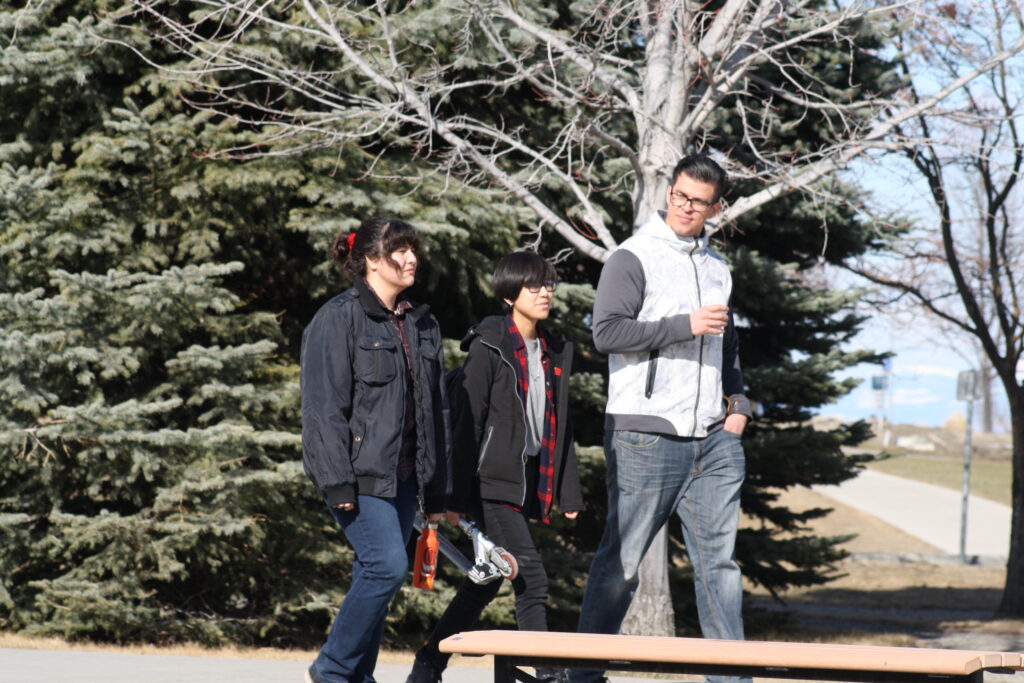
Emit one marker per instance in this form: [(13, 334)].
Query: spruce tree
[(152, 297), (151, 487)]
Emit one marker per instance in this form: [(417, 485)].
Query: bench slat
[(601, 647), (1013, 660)]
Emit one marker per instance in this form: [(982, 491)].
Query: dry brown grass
[(872, 535), (887, 602), (990, 477), (876, 536)]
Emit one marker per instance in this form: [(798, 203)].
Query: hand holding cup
[(711, 319)]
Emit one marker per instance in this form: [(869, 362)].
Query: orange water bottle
[(425, 568)]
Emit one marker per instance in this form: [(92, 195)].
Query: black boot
[(549, 675), (424, 671)]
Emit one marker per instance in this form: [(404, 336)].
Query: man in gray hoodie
[(676, 408)]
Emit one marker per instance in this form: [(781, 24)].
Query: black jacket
[(489, 424), (353, 399)]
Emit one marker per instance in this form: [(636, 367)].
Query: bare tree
[(963, 268), (635, 84)]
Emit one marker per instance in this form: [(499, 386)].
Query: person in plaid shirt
[(513, 458)]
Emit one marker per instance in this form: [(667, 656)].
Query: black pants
[(509, 529)]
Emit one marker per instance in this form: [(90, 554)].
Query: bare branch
[(626, 82)]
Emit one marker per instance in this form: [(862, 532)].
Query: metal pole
[(967, 482), (887, 434)]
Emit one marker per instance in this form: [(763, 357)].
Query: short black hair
[(702, 168), (519, 269)]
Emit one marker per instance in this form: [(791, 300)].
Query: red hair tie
[(351, 239)]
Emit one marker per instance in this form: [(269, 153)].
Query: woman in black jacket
[(373, 436), (512, 453)]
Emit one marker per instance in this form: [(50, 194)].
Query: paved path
[(66, 666), (46, 666), (931, 513)]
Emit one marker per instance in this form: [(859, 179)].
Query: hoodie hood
[(655, 227), (491, 329)]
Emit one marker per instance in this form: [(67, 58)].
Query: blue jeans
[(650, 476), (378, 530)]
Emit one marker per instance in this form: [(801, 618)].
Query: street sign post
[(880, 383), (968, 388)]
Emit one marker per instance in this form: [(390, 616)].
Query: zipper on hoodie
[(483, 449), (700, 351), (522, 453)]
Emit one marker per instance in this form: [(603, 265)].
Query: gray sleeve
[(620, 295)]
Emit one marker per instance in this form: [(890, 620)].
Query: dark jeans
[(378, 530), (509, 529)]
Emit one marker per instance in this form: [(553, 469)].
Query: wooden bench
[(806, 661)]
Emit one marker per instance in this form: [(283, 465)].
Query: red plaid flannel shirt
[(546, 456)]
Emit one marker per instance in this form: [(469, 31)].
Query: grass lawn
[(990, 479)]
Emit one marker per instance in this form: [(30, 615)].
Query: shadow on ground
[(946, 616)]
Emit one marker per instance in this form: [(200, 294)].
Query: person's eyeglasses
[(679, 200), (534, 287)]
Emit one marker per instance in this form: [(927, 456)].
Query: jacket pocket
[(376, 360), (428, 357), (652, 371)]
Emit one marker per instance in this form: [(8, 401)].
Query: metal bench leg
[(504, 671)]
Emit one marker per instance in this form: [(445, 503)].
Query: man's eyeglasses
[(535, 287), (679, 200)]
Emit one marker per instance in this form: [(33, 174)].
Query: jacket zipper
[(522, 453), (700, 352), (483, 448), (421, 487)]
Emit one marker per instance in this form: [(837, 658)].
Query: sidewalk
[(68, 666), (931, 513)]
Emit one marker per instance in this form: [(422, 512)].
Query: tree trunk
[(650, 613), (1012, 604)]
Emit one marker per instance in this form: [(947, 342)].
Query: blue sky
[(922, 381), (927, 363), (923, 374)]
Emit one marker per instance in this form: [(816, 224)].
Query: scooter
[(490, 562)]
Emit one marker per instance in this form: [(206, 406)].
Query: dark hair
[(702, 168), (519, 269), (375, 238)]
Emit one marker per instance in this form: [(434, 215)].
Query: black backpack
[(454, 391)]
